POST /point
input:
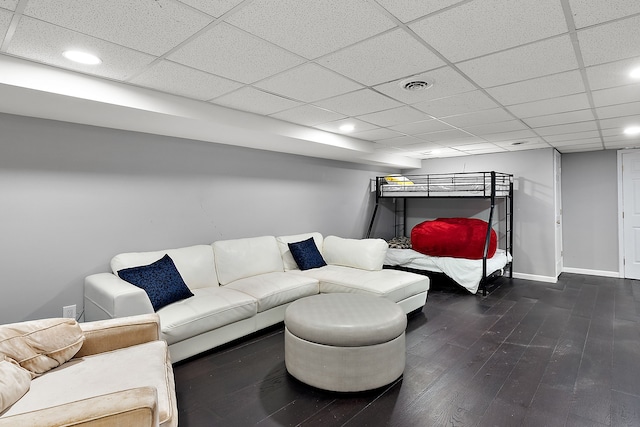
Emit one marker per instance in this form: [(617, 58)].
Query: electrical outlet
[(69, 311)]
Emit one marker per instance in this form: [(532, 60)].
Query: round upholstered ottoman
[(345, 342)]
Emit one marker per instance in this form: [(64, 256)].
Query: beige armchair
[(121, 375)]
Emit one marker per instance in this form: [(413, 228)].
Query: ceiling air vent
[(415, 85)]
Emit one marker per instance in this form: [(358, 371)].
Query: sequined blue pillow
[(306, 254), (160, 280)]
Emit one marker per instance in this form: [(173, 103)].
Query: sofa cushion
[(240, 258), (306, 254), (274, 289), (160, 280), (194, 263), (14, 382), (41, 345), (208, 309), (285, 252), (146, 365), (366, 254), (391, 284)]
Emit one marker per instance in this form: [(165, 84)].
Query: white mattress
[(442, 190), (466, 272)]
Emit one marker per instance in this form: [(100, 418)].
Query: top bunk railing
[(462, 184)]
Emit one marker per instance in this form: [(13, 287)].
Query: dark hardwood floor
[(527, 354)]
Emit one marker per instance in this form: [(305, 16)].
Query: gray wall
[(533, 251), (73, 196), (590, 210)]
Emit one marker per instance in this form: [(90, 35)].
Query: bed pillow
[(398, 179), (453, 237), (306, 254), (160, 280), (41, 345), (14, 382)]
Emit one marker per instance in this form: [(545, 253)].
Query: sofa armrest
[(107, 296), (107, 335), (134, 407)]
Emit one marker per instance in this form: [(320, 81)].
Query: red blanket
[(453, 237)]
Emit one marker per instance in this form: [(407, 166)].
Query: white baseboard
[(602, 273), (537, 278)]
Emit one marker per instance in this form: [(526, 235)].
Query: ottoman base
[(344, 369)]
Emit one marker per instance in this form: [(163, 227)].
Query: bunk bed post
[(511, 226), (375, 209), (487, 240)]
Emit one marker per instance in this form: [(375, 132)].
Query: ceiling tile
[(574, 142), (521, 63), (359, 126), (445, 82), (214, 8), (117, 62), (165, 24), (478, 117), (619, 110), (581, 148), (408, 10), (540, 88), (551, 106), (521, 143), (572, 136), (234, 54), (612, 74), (509, 136), (386, 57), (400, 141), (604, 43), (492, 128), (308, 83), (590, 12), (458, 104), (255, 101), (619, 123), (480, 27), (5, 20), (560, 118), (563, 129), (307, 115), (359, 102), (376, 134), (616, 95), (174, 78), (458, 142), (423, 147), (423, 126), (395, 116), (445, 135), (621, 145), (311, 28), (523, 147), (9, 4), (443, 152)]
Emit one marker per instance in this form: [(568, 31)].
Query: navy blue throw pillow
[(160, 280), (306, 254)]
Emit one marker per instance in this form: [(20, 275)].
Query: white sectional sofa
[(241, 286)]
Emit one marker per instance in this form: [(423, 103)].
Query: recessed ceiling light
[(635, 73), (632, 130), (347, 127), (81, 57)]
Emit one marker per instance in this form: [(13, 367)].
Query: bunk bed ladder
[(483, 280)]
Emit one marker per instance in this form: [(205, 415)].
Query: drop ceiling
[(285, 75)]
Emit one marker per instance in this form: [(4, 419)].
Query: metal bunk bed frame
[(459, 186)]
